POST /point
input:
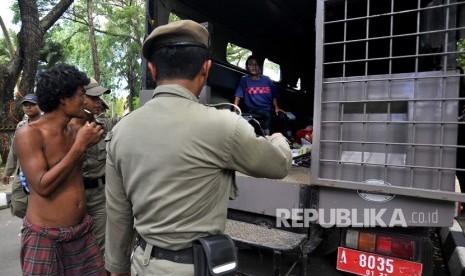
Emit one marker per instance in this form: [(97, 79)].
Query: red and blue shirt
[(257, 94)]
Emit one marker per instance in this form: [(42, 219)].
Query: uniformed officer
[(19, 198), (94, 163), (171, 164)]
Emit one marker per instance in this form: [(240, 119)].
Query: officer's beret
[(178, 33)]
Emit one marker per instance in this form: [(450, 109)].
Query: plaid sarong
[(60, 251)]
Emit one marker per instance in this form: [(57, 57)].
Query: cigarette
[(87, 111)]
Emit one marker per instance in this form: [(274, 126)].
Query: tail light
[(367, 242), (393, 246), (384, 244)]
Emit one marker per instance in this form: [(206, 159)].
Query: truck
[(379, 85)]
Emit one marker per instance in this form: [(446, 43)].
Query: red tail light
[(396, 247)]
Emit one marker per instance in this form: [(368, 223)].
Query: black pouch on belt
[(215, 255)]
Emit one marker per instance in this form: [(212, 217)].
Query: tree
[(7, 40), (93, 42), (25, 60), (118, 35)]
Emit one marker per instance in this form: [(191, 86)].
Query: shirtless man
[(57, 237)]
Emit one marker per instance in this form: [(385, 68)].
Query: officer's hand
[(274, 135)]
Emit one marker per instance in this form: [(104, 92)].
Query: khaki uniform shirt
[(12, 163), (171, 168), (94, 162)]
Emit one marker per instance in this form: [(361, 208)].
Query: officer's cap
[(178, 33), (29, 98), (94, 89)]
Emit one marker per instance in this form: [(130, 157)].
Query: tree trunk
[(26, 57), (93, 42), (30, 40)]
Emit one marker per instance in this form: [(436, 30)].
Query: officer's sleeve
[(12, 161), (120, 219), (258, 156)]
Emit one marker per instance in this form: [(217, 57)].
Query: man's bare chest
[(56, 147)]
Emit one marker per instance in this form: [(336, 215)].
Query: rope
[(12, 113)]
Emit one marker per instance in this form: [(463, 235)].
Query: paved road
[(9, 243), (10, 247), (255, 263)]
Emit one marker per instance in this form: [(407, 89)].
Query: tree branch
[(56, 12), (117, 35), (76, 19), (7, 38)]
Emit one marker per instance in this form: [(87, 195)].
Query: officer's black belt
[(91, 183), (183, 256)]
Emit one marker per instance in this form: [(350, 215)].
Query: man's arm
[(277, 109), (236, 103), (45, 179), (268, 157), (120, 220)]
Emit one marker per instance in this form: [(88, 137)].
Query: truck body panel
[(380, 84)]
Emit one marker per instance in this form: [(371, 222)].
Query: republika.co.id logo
[(339, 217), (366, 217)]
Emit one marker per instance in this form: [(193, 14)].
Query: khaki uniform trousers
[(144, 264), (96, 201), (19, 200)]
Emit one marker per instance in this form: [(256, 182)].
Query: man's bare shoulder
[(30, 134), (28, 130)]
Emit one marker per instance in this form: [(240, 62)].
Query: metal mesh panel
[(387, 115)]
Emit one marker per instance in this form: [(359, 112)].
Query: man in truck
[(171, 164), (260, 96)]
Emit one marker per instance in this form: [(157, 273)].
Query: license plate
[(363, 263)]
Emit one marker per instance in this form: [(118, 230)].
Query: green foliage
[(237, 55), (119, 34), (44, 7), (51, 53), (116, 105), (173, 17), (4, 54)]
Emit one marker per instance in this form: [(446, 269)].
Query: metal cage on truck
[(387, 115)]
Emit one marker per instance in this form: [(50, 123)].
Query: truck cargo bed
[(297, 175)]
